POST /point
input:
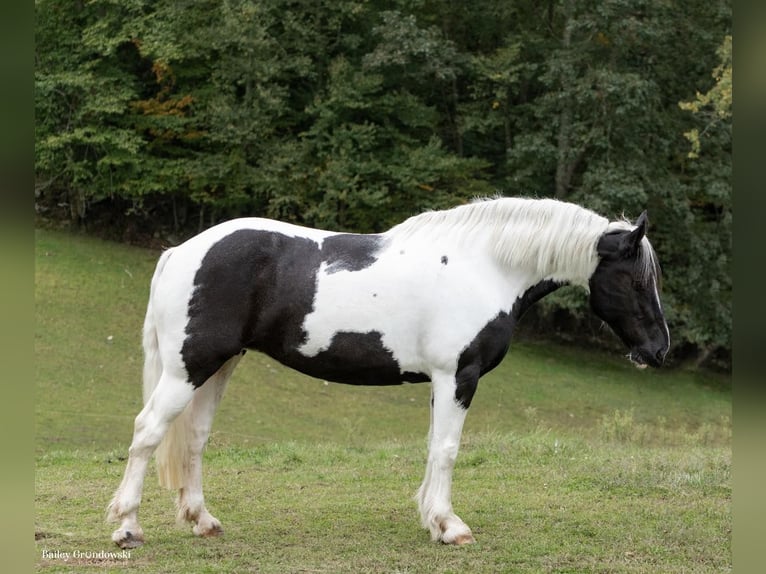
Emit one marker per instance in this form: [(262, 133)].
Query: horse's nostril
[(661, 355)]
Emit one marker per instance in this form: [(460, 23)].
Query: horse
[(435, 298)]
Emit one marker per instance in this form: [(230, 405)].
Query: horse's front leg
[(435, 495)]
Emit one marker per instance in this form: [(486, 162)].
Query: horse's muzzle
[(642, 358)]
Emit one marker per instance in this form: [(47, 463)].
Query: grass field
[(571, 461)]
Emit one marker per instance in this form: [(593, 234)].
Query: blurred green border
[(17, 283), (749, 499)]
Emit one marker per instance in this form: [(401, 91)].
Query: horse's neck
[(545, 239), (541, 263)]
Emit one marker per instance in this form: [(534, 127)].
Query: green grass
[(571, 461), (536, 504)]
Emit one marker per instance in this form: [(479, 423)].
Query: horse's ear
[(623, 244), (643, 222), (631, 241)]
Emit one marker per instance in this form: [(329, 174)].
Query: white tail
[(172, 454)]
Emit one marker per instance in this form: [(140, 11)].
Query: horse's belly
[(353, 358)]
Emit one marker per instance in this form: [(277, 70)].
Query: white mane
[(553, 239)]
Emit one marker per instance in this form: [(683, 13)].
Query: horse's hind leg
[(169, 398), (191, 502)]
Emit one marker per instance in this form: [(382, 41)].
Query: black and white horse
[(435, 298)]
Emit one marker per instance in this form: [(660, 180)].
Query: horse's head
[(624, 293)]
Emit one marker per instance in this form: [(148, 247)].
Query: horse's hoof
[(458, 535), (209, 531), (127, 539), (462, 539)]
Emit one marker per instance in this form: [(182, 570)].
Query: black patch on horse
[(491, 344), (254, 289), (350, 252), (356, 359)]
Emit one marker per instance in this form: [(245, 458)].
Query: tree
[(84, 143), (169, 116), (705, 319)]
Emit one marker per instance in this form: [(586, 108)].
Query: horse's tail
[(172, 453), (152, 360)]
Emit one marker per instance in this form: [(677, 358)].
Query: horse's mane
[(552, 238)]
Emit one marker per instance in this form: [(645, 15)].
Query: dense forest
[(155, 119)]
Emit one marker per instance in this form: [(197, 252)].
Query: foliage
[(714, 105), (161, 118)]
